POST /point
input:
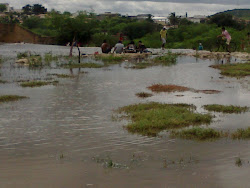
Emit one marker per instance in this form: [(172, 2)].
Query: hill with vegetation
[(239, 13)]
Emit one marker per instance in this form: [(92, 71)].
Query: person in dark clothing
[(105, 47)]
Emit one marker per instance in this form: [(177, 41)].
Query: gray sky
[(134, 7)]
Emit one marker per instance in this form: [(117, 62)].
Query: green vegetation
[(2, 7), (225, 109), (3, 82), (234, 70), (82, 65), (8, 98), (168, 59), (151, 118), (62, 75), (165, 60), (241, 134), (35, 61), (238, 162), (38, 83), (48, 57), (111, 58), (238, 13), (168, 88), (21, 55), (197, 133), (143, 95)]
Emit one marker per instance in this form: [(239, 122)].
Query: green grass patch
[(62, 75), (110, 58), (48, 57), (197, 133), (241, 134), (143, 95), (21, 55), (3, 82), (225, 109), (151, 118), (166, 60), (35, 61), (234, 70), (82, 65), (8, 98), (38, 83)]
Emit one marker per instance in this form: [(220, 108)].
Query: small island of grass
[(151, 118), (225, 109)]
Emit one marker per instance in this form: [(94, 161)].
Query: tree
[(3, 7), (27, 9), (173, 19), (38, 9), (226, 20)]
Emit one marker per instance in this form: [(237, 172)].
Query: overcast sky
[(134, 7)]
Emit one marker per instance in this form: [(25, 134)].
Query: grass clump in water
[(21, 55), (238, 162), (82, 65), (241, 134), (62, 75), (110, 58), (8, 98), (234, 70), (143, 95), (168, 59), (48, 57), (197, 133), (35, 61), (151, 118), (225, 109), (3, 82), (168, 88), (38, 83)]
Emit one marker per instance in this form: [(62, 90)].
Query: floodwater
[(63, 135)]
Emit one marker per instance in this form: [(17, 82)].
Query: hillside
[(239, 13)]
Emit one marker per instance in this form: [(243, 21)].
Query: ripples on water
[(75, 117)]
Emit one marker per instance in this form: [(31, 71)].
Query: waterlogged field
[(146, 121)]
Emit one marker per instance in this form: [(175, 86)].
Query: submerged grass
[(143, 95), (2, 81), (168, 88), (110, 58), (37, 83), (62, 75), (176, 88), (234, 70), (197, 133), (225, 109), (8, 98), (48, 57), (151, 118), (82, 65), (241, 134), (167, 59)]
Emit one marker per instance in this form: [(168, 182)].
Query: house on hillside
[(197, 19), (108, 14), (161, 20), (143, 16)]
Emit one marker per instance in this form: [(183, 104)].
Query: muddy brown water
[(63, 135)]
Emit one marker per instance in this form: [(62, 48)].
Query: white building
[(197, 19)]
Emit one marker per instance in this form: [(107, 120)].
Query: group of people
[(132, 48), (120, 48)]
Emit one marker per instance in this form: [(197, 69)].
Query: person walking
[(163, 37)]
